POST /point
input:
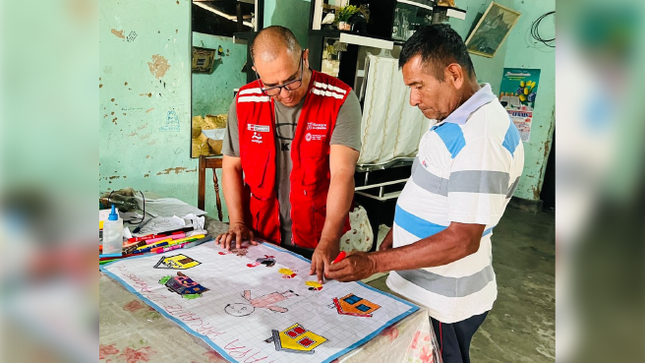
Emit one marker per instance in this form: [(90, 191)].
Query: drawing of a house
[(356, 306), (183, 285), (296, 339), (177, 262)]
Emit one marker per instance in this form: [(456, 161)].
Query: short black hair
[(439, 45)]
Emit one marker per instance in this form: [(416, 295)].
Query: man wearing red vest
[(289, 156)]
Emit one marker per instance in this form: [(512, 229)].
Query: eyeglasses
[(289, 86)]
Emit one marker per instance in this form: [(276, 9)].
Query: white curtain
[(390, 127)]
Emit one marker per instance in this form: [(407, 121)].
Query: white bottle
[(113, 233)]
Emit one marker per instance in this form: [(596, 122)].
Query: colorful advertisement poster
[(517, 94)]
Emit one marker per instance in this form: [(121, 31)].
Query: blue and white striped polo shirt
[(466, 171)]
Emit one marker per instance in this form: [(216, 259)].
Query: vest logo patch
[(257, 138), (257, 128), (310, 137), (315, 126), (426, 162)]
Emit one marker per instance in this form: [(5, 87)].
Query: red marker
[(137, 239), (340, 257)]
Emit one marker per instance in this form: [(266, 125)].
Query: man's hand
[(342, 163), (387, 243), (322, 257), (237, 231), (356, 266)]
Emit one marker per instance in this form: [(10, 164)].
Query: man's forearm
[(339, 200), (232, 185), (452, 244)]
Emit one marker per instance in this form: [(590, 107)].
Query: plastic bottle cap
[(113, 216)]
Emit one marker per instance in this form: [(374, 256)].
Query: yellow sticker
[(313, 284)]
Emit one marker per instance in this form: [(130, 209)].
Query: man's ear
[(305, 56), (253, 68), (455, 74)]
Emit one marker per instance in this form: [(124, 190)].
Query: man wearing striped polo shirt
[(439, 249)]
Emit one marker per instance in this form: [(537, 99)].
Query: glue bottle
[(113, 233)]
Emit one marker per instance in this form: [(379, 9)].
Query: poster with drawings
[(517, 94), (259, 304)]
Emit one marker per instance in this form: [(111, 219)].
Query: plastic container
[(113, 233)]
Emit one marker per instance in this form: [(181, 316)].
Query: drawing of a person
[(263, 302)]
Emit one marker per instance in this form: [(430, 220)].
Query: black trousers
[(454, 339)]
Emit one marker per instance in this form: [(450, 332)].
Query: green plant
[(346, 12)]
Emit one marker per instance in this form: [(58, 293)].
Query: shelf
[(451, 11), (371, 186), (381, 198), (243, 37), (414, 3), (394, 163), (356, 38)]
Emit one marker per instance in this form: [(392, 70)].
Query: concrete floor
[(521, 326)]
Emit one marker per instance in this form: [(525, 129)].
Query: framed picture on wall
[(203, 60), (492, 30)]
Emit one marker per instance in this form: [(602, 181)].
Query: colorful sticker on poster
[(517, 94)]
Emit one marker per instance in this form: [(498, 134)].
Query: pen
[(186, 239), (173, 236), (186, 244), (149, 236), (155, 244), (143, 223), (109, 255), (159, 247), (150, 248), (166, 249), (340, 257), (174, 246), (142, 238), (177, 241), (198, 242), (134, 244), (180, 230)]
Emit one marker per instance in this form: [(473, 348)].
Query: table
[(130, 331)]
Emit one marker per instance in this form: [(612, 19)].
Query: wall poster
[(517, 95)]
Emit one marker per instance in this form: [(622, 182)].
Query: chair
[(209, 163)]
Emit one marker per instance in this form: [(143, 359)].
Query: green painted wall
[(144, 112), (293, 14), (525, 52), (489, 70), (213, 93), (520, 51), (145, 91)]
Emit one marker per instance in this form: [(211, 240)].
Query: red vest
[(310, 175)]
